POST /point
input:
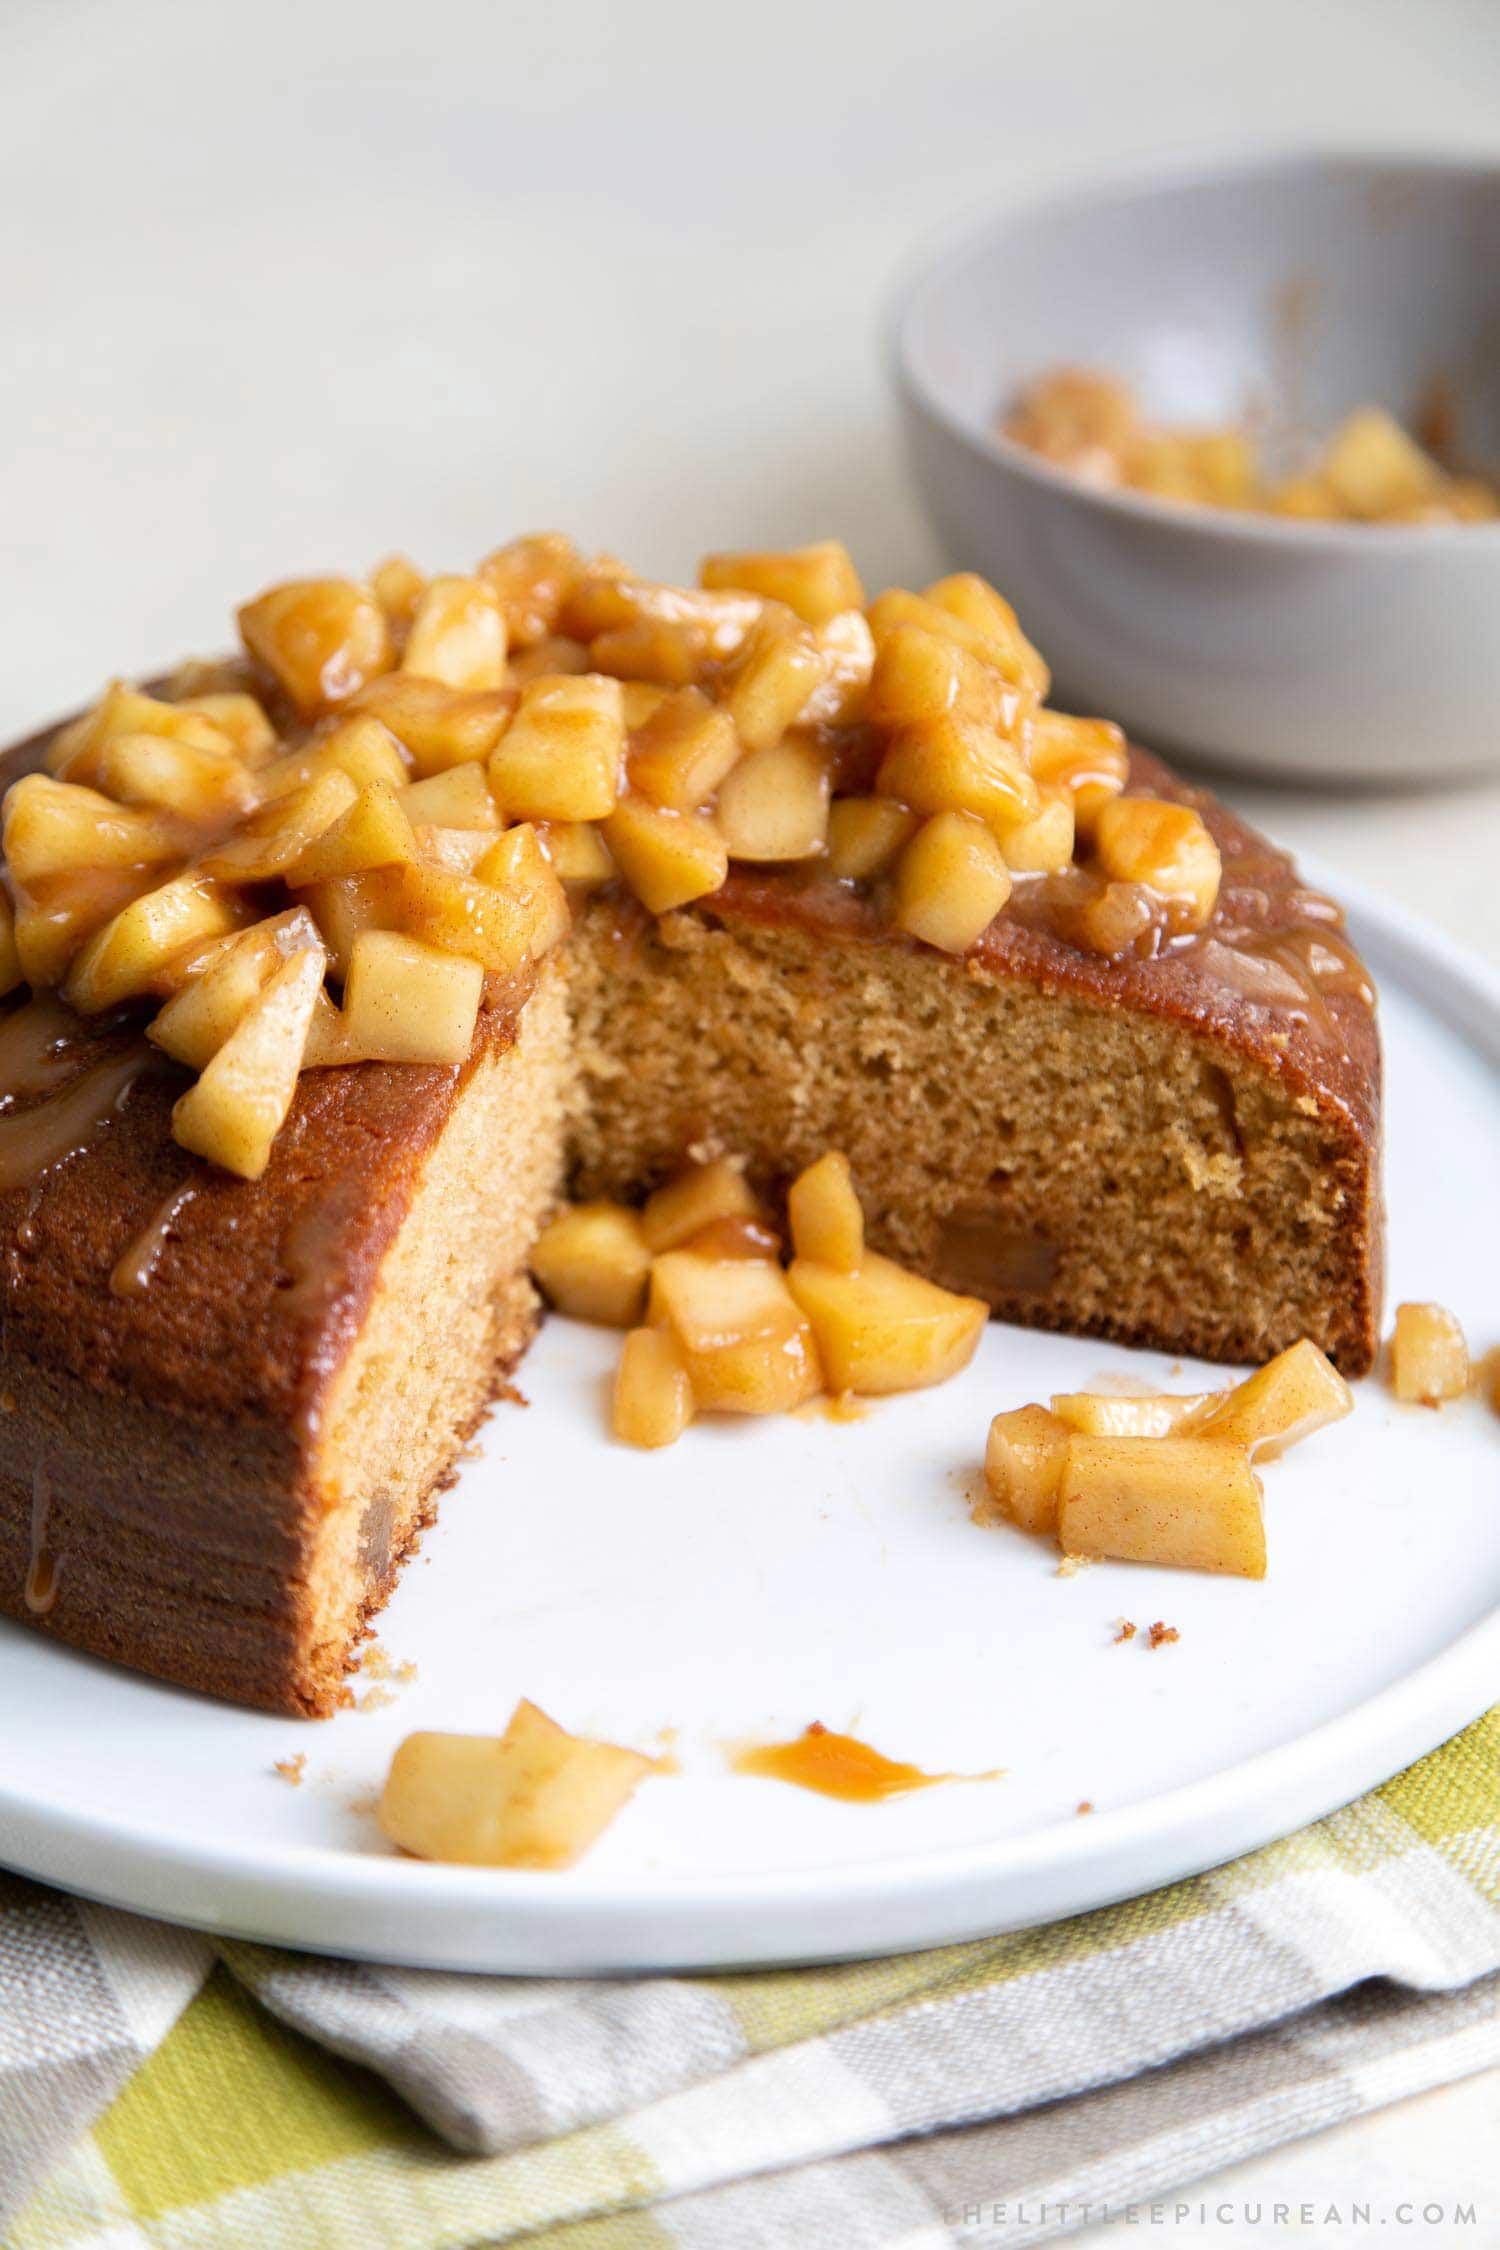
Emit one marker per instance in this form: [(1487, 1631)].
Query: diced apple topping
[(562, 754), (866, 835), (1159, 1478), (951, 882), (454, 762), (773, 805), (408, 1002), (223, 980), (1165, 847), (667, 858), (457, 636), (320, 638), (1429, 1357), (535, 1796), (239, 1104), (595, 1264), (817, 582), (653, 1394), (458, 797)]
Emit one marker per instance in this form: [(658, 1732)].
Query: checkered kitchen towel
[(156, 2090)]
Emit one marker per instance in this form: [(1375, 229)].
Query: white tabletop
[(287, 286)]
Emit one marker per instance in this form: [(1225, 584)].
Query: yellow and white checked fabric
[(156, 2090)]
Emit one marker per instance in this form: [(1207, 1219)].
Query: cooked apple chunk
[(827, 1222), (594, 1263), (667, 858), (1166, 847), (954, 764), (1182, 1501), (1042, 845), (278, 835), (1429, 1355), (1294, 1394), (223, 983), (773, 805), (53, 827), (437, 726), (320, 638), (530, 579), (882, 1329), (817, 581), (398, 586), (1086, 757), (951, 882), (374, 832), (653, 1396), (866, 835), (408, 1002), (360, 747), (695, 1198), (184, 779), (239, 1104), (974, 603), (517, 864), (776, 671), (747, 1347), (458, 797), (577, 851), (241, 718), (683, 751), (535, 1796), (459, 850), (124, 710), (51, 929), (562, 755), (1024, 1458), (457, 636), (1104, 1414), (135, 951)]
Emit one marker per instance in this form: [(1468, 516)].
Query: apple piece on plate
[(594, 1264), (1297, 1392), (535, 1796), (827, 1222), (1188, 1502), (653, 1393), (1024, 1457), (747, 1347), (882, 1329)]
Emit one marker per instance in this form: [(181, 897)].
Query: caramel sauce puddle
[(840, 1765)]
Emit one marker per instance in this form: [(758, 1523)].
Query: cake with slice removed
[(605, 876)]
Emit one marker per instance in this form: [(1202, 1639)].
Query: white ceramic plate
[(758, 1577)]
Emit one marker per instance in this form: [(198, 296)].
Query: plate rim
[(503, 1921)]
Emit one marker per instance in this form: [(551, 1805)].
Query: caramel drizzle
[(133, 1270), (33, 1142), (42, 1575), (34, 1049), (840, 1765)]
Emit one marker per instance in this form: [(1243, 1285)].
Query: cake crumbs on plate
[(1159, 1634), (1084, 1805), (375, 1699), (1124, 1630), (292, 1769), (1071, 1565)]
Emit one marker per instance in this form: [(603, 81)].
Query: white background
[(284, 286)]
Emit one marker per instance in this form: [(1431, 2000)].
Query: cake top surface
[(319, 877)]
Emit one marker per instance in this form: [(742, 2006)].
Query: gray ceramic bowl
[(1350, 653)]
